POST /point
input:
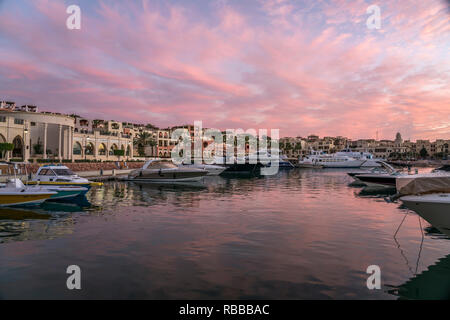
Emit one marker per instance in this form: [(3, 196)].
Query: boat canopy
[(159, 164), (423, 183)]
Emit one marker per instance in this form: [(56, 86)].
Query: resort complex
[(29, 135)]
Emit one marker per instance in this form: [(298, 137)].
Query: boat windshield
[(162, 165), (63, 172)]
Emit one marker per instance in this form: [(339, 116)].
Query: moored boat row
[(51, 182), (428, 194), (342, 159)]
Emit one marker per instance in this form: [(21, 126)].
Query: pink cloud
[(270, 66)]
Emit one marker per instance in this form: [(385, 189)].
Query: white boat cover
[(423, 183)]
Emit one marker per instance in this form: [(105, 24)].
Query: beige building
[(383, 149), (37, 134), (97, 140)]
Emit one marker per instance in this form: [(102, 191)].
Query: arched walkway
[(111, 150), (18, 148), (89, 149), (101, 149), (77, 148)]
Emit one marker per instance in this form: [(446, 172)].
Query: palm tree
[(142, 140)]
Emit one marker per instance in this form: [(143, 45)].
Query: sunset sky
[(300, 66)]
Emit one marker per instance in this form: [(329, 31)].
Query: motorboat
[(428, 194), (434, 208), (60, 175), (330, 161), (15, 193), (383, 169), (163, 171), (379, 180)]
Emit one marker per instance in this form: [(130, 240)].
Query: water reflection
[(299, 234), (431, 284), (47, 221)]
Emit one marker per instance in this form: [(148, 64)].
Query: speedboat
[(59, 175), (434, 208), (330, 161), (15, 193), (379, 180), (163, 171), (383, 170)]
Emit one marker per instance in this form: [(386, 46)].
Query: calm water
[(301, 234)]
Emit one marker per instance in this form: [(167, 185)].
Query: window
[(18, 121), (46, 172), (77, 148), (102, 149), (89, 150), (63, 172), (2, 119)]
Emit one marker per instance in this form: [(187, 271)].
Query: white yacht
[(428, 194), (330, 161), (434, 208), (369, 160)]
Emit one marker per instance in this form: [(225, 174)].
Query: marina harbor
[(225, 159)]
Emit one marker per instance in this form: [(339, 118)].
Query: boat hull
[(436, 213), (87, 185), (7, 200), (169, 175), (376, 181), (242, 167), (66, 193), (343, 164)]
